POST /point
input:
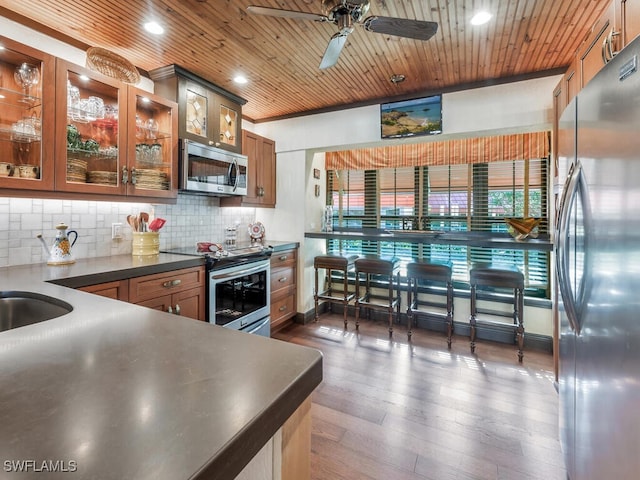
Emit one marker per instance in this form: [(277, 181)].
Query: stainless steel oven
[(239, 297), (212, 171), (238, 285)]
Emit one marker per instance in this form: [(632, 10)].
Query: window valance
[(518, 146)]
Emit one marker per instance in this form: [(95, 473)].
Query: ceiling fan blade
[(333, 50), (401, 27), (277, 12)]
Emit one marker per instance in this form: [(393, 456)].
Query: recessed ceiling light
[(241, 79), (481, 18), (154, 27)]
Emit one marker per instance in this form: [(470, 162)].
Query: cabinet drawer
[(168, 283), (283, 259), (282, 278), (282, 309), (118, 290)]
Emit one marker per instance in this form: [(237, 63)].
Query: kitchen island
[(115, 390)]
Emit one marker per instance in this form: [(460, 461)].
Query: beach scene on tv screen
[(412, 117)]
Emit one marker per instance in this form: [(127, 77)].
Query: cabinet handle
[(125, 175), (170, 310), (177, 309), (607, 47), (171, 283), (283, 258), (133, 176), (282, 308), (283, 279), (610, 44)]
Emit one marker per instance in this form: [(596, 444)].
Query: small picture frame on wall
[(317, 190), (316, 173)]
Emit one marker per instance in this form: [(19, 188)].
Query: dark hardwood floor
[(394, 410)]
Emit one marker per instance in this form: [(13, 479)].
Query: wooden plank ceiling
[(217, 39)]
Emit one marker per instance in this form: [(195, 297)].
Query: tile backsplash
[(192, 219)]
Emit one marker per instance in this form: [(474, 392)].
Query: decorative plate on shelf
[(256, 230)]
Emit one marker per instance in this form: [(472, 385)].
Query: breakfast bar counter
[(113, 390), (472, 239)]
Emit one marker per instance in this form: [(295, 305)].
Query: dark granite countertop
[(473, 239), (123, 391)]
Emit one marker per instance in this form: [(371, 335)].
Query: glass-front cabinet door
[(197, 125), (91, 114), (197, 111), (153, 156), (26, 117), (228, 126)]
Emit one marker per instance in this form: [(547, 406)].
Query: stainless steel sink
[(18, 309)]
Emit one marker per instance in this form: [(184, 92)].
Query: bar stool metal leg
[(472, 319), (315, 296), (449, 313), (391, 306), (410, 305), (519, 303), (357, 303)]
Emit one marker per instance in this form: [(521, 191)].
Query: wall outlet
[(116, 231)]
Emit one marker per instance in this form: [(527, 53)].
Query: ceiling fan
[(345, 14)]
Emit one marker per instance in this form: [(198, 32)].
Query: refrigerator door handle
[(569, 198)]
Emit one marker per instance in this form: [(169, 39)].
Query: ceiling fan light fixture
[(397, 78), (481, 18)]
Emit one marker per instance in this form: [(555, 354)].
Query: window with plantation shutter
[(474, 197)]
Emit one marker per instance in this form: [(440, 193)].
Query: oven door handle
[(258, 326), (238, 273)]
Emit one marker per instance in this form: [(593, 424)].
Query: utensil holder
[(146, 243)]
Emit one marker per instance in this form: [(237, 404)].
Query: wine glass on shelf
[(26, 76)]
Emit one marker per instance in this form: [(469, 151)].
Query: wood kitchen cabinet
[(112, 138), (284, 267), (261, 173), (181, 292), (27, 100), (207, 113), (630, 20), (571, 81), (601, 45), (153, 156), (117, 290)]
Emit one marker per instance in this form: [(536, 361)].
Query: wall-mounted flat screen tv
[(408, 118)]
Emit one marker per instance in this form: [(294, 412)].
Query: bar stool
[(329, 263), (429, 273), (389, 268), (506, 277)]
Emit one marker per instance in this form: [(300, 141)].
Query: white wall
[(515, 107)]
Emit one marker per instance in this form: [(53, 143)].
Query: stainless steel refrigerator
[(598, 269)]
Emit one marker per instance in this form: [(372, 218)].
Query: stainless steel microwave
[(211, 171)]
